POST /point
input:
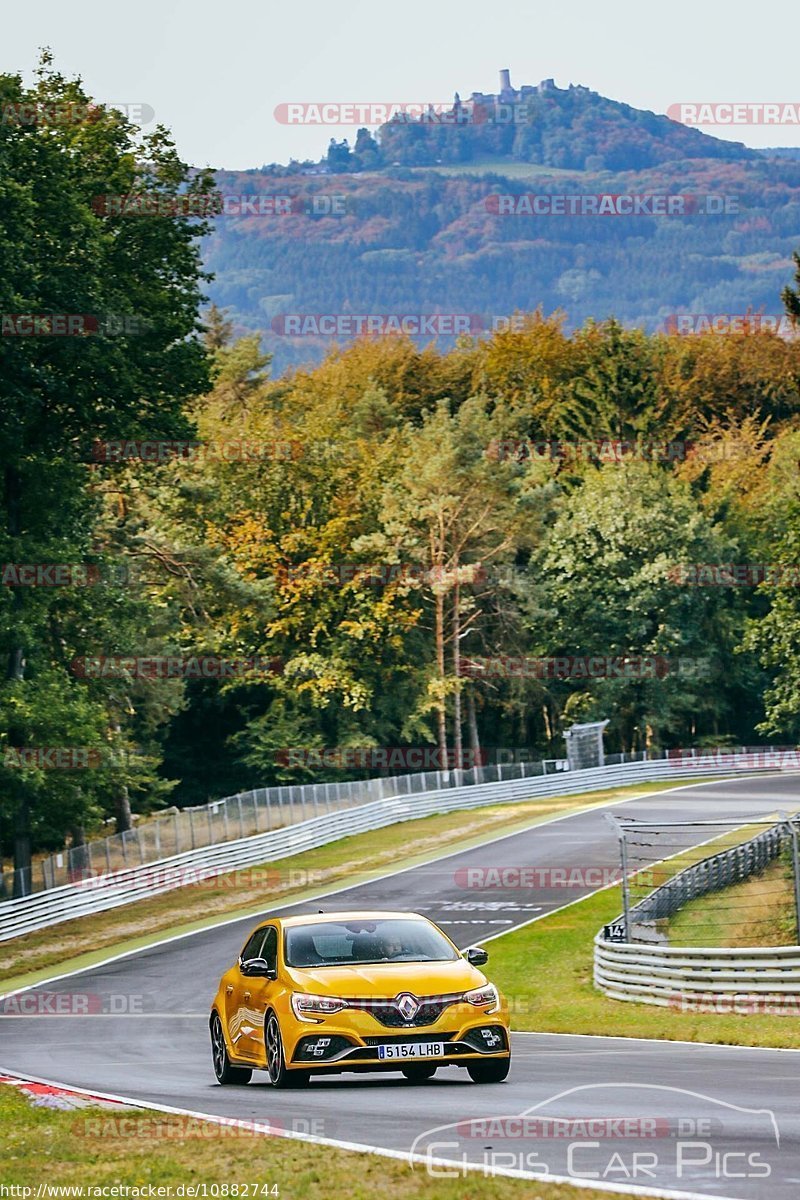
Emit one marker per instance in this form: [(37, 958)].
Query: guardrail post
[(623, 854)]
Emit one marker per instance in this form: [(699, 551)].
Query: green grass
[(545, 970), (100, 1147), (73, 945), (758, 912)]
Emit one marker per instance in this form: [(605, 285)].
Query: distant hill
[(572, 128), (782, 152), (429, 236)]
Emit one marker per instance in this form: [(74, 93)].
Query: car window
[(269, 950), (339, 943), (252, 946)]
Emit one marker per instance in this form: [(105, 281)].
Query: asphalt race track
[(722, 1121)]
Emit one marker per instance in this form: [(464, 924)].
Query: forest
[(210, 567)]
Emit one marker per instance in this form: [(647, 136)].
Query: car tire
[(279, 1075), (494, 1071), (224, 1069), (419, 1072)]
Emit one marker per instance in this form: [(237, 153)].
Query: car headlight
[(315, 1008), (484, 995)]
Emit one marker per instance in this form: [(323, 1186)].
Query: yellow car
[(371, 991)]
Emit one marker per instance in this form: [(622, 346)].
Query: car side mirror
[(259, 968), (476, 956)]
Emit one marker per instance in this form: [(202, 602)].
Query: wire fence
[(245, 814), (710, 883), (263, 810)]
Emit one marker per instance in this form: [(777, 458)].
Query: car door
[(236, 985), (256, 992)]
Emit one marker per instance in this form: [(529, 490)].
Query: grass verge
[(73, 945), (545, 969), (758, 912), (83, 1148)]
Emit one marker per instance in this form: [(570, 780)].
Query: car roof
[(357, 915)]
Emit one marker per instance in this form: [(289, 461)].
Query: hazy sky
[(214, 72)]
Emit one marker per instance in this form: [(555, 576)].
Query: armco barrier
[(697, 979), (99, 894), (261, 810)]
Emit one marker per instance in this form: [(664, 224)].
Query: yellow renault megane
[(372, 991)]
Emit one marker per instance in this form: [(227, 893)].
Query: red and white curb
[(53, 1095)]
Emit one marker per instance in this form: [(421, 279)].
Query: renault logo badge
[(407, 1005)]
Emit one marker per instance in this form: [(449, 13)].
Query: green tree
[(61, 394), (610, 589), (791, 295)]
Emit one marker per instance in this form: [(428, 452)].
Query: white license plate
[(412, 1050)]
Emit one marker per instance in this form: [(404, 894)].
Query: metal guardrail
[(705, 978), (700, 978), (107, 891), (264, 809), (246, 814)]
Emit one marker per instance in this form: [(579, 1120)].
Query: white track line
[(289, 903), (383, 1152)]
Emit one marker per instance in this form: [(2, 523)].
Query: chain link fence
[(265, 809), (709, 883), (246, 814)]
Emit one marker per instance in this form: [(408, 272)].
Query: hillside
[(435, 234), (573, 128)]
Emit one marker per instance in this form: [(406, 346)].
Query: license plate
[(412, 1050)]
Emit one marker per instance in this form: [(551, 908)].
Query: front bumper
[(337, 1050)]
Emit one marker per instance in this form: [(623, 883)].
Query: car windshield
[(346, 943)]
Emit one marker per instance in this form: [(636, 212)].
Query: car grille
[(392, 1017), (389, 1015)]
